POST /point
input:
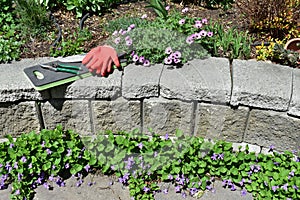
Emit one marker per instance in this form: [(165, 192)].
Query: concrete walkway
[(106, 188)]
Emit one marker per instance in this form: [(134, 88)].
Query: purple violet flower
[(43, 144), (67, 165), (243, 192), (20, 176), (140, 145), (144, 16), (69, 152), (23, 159), (214, 157), (274, 188), (46, 185), (285, 187), (166, 136), (295, 187), (87, 168), (165, 191), (177, 189), (204, 21), (48, 151), (17, 192), (16, 165), (146, 189), (167, 8)]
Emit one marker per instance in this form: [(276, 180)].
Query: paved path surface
[(103, 190)]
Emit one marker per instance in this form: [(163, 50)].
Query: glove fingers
[(109, 66), (87, 58), (90, 55), (116, 61), (92, 63)]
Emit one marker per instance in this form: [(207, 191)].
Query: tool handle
[(60, 69), (69, 66)]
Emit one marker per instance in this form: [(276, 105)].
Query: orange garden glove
[(100, 59)]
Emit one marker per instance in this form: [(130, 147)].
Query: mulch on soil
[(40, 47)]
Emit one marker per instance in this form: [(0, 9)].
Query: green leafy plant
[(9, 48), (32, 17), (88, 6), (9, 39), (284, 56), (140, 161), (159, 8), (72, 45), (124, 23), (276, 52), (174, 40), (230, 43)]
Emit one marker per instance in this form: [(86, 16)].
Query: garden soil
[(40, 47)]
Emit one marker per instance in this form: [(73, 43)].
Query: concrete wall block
[(165, 116), (203, 80), (70, 114), (221, 122), (94, 87), (266, 128), (18, 118), (261, 85), (294, 108), (116, 115), (140, 82)]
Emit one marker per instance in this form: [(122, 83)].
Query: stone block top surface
[(261, 85), (139, 81), (206, 80), (14, 84)]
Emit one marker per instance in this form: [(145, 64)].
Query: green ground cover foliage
[(140, 162)]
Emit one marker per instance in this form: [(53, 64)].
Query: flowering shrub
[(275, 18), (173, 40), (141, 162)]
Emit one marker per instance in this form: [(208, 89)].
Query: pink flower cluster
[(140, 59), (128, 40), (203, 33), (173, 56)]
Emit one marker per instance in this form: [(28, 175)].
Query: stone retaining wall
[(249, 102)]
